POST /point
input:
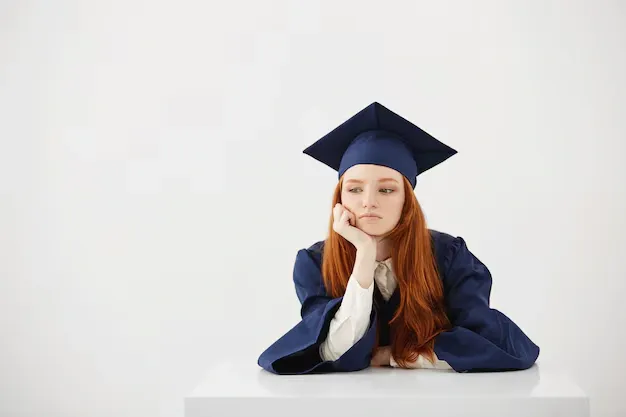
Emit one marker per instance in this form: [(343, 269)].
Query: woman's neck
[(383, 250)]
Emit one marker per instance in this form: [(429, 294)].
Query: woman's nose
[(369, 199)]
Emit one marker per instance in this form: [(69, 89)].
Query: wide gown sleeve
[(482, 338), (297, 351)]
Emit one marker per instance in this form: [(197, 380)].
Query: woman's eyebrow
[(379, 180)]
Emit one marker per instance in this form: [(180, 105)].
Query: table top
[(245, 379)]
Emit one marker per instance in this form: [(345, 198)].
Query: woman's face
[(373, 189)]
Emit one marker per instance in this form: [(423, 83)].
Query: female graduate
[(382, 289)]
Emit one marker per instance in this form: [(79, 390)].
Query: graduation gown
[(480, 339)]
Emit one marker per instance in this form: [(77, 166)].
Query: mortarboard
[(376, 135)]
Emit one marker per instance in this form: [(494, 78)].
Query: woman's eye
[(391, 190)]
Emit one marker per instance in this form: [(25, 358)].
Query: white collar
[(387, 262)]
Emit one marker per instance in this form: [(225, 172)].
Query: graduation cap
[(376, 135)]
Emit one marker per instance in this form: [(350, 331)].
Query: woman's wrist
[(364, 266), (366, 251)]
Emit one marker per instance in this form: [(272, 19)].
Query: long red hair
[(421, 313)]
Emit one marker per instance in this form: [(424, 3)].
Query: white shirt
[(353, 316)]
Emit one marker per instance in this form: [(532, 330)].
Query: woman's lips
[(370, 218)]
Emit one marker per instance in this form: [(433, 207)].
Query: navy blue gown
[(481, 338)]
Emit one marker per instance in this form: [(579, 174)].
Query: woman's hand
[(382, 357), (343, 221)]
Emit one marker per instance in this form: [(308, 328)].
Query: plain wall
[(154, 194)]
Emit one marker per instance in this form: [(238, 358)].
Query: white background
[(153, 190)]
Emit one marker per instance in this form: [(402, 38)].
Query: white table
[(237, 388)]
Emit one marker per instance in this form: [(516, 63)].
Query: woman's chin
[(373, 230)]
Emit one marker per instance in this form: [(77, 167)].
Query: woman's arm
[(298, 350), (482, 338), (352, 319)]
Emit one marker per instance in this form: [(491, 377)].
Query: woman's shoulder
[(445, 246), (313, 252), (317, 247), (441, 238)]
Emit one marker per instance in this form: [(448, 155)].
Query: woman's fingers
[(381, 358), (341, 214), (336, 211)]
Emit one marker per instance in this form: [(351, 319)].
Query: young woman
[(382, 289)]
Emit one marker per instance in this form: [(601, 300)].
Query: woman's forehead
[(370, 172)]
